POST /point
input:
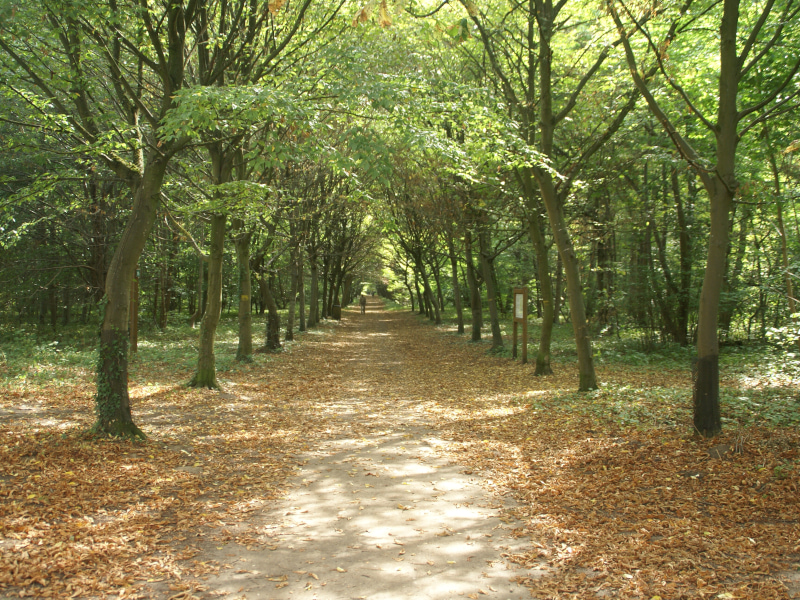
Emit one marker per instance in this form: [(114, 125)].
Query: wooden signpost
[(521, 316)]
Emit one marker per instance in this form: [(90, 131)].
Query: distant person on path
[(363, 304)]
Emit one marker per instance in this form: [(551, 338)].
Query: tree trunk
[(163, 294), (721, 185), (325, 266), (421, 301), (289, 335), (244, 351), (487, 269), (729, 302), (431, 300), (543, 366), (313, 301), (776, 179), (553, 204), (580, 326), (451, 251), (685, 244), (559, 293), (67, 300), (198, 313), (301, 292), (272, 337), (206, 374), (112, 402), (436, 271), (52, 300), (411, 296), (474, 290), (707, 418), (347, 289)]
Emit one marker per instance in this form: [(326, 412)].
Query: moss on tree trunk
[(112, 403)]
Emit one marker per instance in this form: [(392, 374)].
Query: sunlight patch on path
[(376, 511)]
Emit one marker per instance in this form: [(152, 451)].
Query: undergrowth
[(760, 383)]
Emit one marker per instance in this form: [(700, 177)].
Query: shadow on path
[(375, 512)]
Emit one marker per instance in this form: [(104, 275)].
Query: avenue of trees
[(635, 165)]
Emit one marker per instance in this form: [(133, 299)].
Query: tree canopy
[(634, 166)]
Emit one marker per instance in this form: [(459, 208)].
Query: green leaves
[(203, 112), (460, 31)]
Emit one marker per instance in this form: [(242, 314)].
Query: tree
[(748, 69), (520, 52)]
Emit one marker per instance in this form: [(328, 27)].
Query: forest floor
[(380, 457)]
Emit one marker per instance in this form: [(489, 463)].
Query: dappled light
[(382, 455), (396, 300)]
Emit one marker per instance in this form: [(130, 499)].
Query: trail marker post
[(521, 316)]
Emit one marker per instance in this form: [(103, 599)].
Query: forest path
[(376, 511)]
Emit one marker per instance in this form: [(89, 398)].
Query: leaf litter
[(609, 505)]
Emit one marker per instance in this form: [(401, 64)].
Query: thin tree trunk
[(301, 292), (787, 276), (198, 313), (451, 251), (474, 290), (347, 289), (206, 374), (272, 337), (543, 366), (244, 350), (580, 326), (559, 293), (420, 299), (67, 300), (313, 300), (52, 300), (325, 311), (487, 269), (685, 245), (435, 315), (289, 335)]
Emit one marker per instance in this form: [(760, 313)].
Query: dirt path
[(376, 511), (323, 472)]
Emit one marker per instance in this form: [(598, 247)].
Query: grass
[(760, 383), (32, 355)]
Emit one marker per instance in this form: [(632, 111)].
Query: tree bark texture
[(474, 290), (543, 366), (289, 335), (272, 338), (434, 314), (553, 205), (487, 270), (313, 300), (451, 251), (301, 293), (244, 350), (206, 374), (198, 313), (112, 402)]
